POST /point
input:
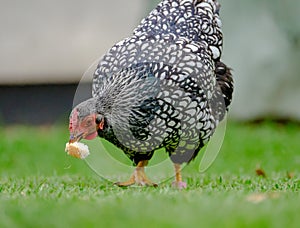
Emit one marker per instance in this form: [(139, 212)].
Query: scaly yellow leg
[(178, 178)]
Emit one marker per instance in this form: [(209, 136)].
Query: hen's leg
[(138, 177), (178, 178)]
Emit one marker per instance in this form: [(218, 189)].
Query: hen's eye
[(88, 123)]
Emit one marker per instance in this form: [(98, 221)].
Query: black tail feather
[(225, 80)]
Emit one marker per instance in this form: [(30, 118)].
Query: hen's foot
[(180, 185), (138, 177)]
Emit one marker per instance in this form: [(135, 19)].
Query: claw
[(131, 181), (138, 177)]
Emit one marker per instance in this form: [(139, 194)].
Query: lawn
[(40, 186)]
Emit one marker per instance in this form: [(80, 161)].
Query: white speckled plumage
[(161, 86)]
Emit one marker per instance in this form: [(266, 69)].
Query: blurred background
[(46, 46)]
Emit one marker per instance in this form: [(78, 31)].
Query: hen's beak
[(76, 137)]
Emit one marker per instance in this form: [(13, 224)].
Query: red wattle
[(91, 136)]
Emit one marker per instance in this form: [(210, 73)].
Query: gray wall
[(43, 41), (262, 44)]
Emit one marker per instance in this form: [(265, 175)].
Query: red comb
[(73, 119)]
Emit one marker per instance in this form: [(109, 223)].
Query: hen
[(163, 87)]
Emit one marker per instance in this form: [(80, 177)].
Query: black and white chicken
[(163, 87)]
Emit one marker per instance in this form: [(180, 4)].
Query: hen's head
[(84, 121)]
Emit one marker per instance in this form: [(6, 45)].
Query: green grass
[(40, 186)]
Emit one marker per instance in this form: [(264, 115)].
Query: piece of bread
[(77, 150)]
